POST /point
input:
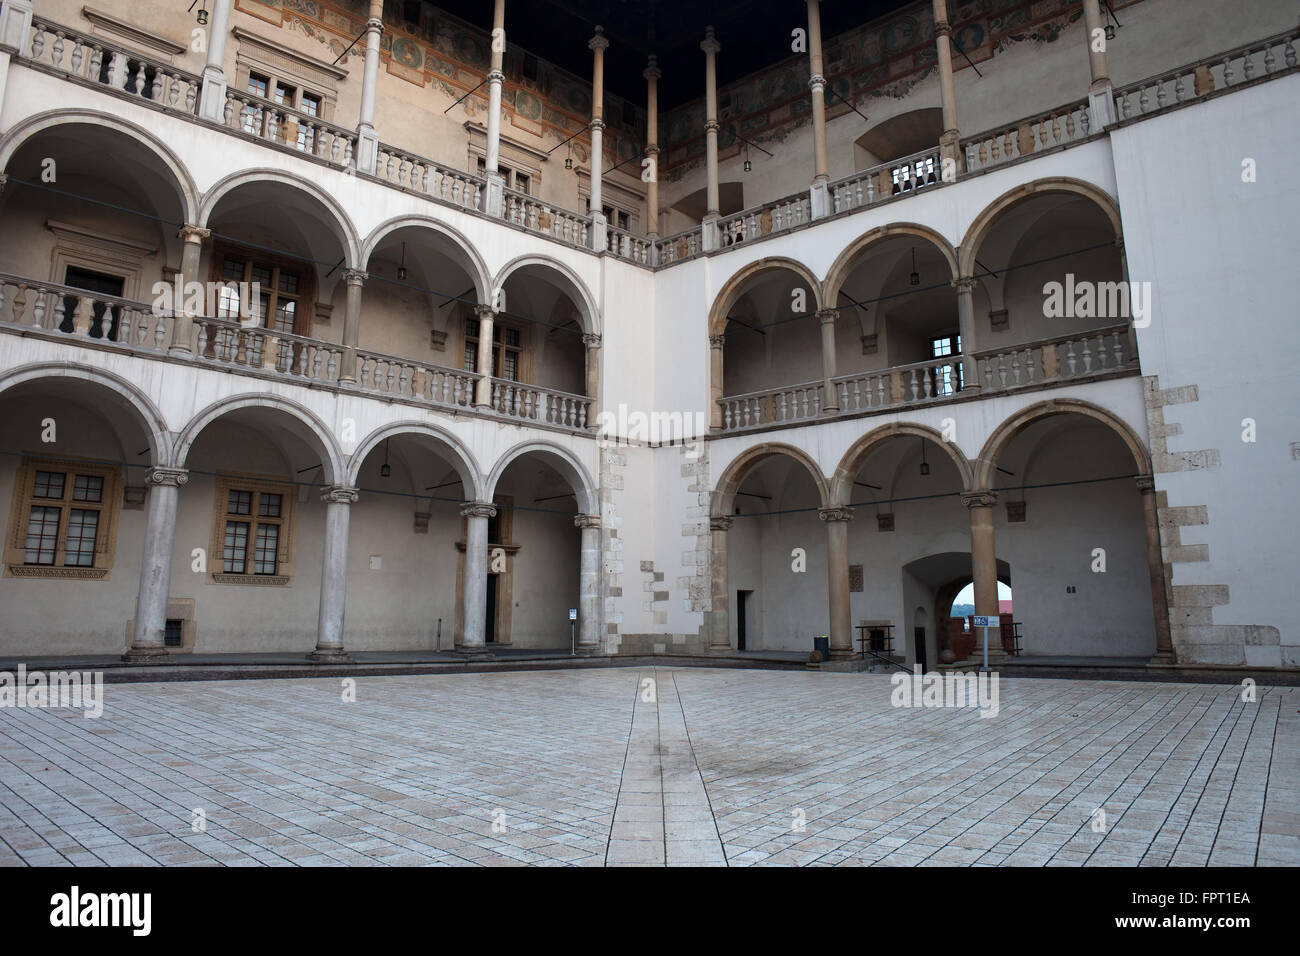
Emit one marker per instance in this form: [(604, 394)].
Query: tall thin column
[(949, 148), (837, 579), (351, 324), (652, 73), (984, 564), (831, 396), (597, 45), (720, 596), (1101, 99), (716, 343), (589, 585), (711, 46), (483, 391), (148, 636), (592, 341), (970, 378), (819, 195), (474, 637), (212, 97), (1156, 571), (496, 77), (367, 138), (334, 575), (183, 320)]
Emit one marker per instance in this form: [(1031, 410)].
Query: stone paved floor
[(646, 766)]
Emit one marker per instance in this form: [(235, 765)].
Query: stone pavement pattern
[(649, 766)]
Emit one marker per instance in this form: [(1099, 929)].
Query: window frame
[(24, 499), (287, 523), (499, 326)]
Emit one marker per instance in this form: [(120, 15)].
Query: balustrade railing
[(532, 403), (421, 381), (51, 307), (253, 347), (904, 175), (789, 403), (679, 246), (765, 220), (409, 171), (1070, 356), (1034, 134), (627, 246), (285, 126), (537, 216)]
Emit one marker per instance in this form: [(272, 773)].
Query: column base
[(819, 200), (1101, 103), (330, 655), (720, 650), (843, 654), (367, 155), (147, 655), (587, 650), (212, 97), (1163, 659), (494, 202), (709, 239), (474, 650)]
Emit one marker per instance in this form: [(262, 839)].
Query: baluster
[(1290, 54), (1143, 101), (38, 307), (77, 57), (156, 87), (1030, 366), (1270, 61), (1180, 89), (38, 42), (1160, 94), (1248, 67), (1070, 361), (191, 95), (56, 53), (139, 79), (1227, 72), (1119, 349), (1015, 368), (916, 387), (1087, 356)]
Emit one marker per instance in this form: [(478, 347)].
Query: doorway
[(490, 612), (95, 282), (743, 599)]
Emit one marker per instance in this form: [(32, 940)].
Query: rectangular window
[(253, 533), (64, 516), (507, 350), (946, 380), (172, 635), (275, 291)]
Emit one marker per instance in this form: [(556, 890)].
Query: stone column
[(716, 343), (334, 576), (495, 201), (711, 46), (719, 595), (830, 396), (351, 324), (183, 319), (819, 195), (212, 98), (483, 392), (652, 73), (367, 138), (597, 45), (589, 585), (147, 637), (949, 148), (1101, 99), (837, 579), (476, 514), (1156, 569), (984, 566), (592, 341), (970, 375)]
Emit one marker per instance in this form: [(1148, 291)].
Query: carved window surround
[(132, 37), (24, 499), (517, 156), (91, 249), (259, 55), (224, 484)]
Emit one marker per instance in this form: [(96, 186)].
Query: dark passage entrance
[(742, 612), (490, 612)]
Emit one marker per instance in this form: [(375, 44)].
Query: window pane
[(311, 104), (80, 548), (240, 503), (510, 337), (284, 313), (228, 303), (510, 366), (49, 484), (257, 84), (268, 537), (471, 357), (42, 533), (88, 488), (235, 553), (268, 506), (471, 328), (232, 269), (288, 282)]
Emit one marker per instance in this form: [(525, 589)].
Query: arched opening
[(898, 136), (691, 209)]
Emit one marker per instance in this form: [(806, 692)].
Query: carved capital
[(597, 125), (979, 499), (171, 477), (591, 340), (478, 509), (354, 277), (1146, 484), (497, 77), (817, 82), (194, 234), (338, 494), (835, 514), (485, 312), (827, 316), (374, 23), (599, 41), (711, 126), (721, 522), (964, 286), (652, 71), (586, 521), (717, 341), (652, 149), (710, 43)]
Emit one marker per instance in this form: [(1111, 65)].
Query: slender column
[(820, 196), (367, 138), (476, 514), (589, 585), (716, 343), (970, 376), (483, 393), (1101, 98), (984, 564), (592, 342), (1156, 570), (949, 140), (711, 46), (830, 397), (351, 324), (212, 98), (183, 319), (334, 575), (597, 45), (496, 77), (147, 637), (837, 579), (652, 73), (720, 596)]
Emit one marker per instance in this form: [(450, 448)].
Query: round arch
[(154, 425), (476, 267), (1004, 433), (858, 452), (845, 261), (186, 189), (459, 455), (571, 283), (562, 460), (325, 445), (988, 217), (733, 288), (733, 476), (347, 232)]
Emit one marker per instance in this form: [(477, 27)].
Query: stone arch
[(845, 261), (473, 262), (347, 232), (857, 453), (318, 435), (723, 500), (733, 288), (460, 457), (562, 460), (570, 282), (988, 217), (14, 138), (155, 426), (1004, 433)]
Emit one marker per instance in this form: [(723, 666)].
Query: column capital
[(485, 311), (827, 316), (835, 514), (1146, 484), (652, 149), (979, 499), (193, 233), (354, 276), (591, 340), (721, 522), (374, 23), (652, 71), (711, 126), (599, 41), (338, 494), (817, 82), (710, 43), (964, 286), (496, 76), (586, 521), (597, 125), (717, 341), (170, 477), (478, 509)]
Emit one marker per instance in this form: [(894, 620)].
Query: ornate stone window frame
[(257, 54), (515, 158), (20, 509), (224, 484), (91, 249)]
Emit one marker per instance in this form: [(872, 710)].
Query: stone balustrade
[(51, 307), (531, 403), (418, 174), (290, 128), (540, 217), (1034, 134), (419, 381)]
